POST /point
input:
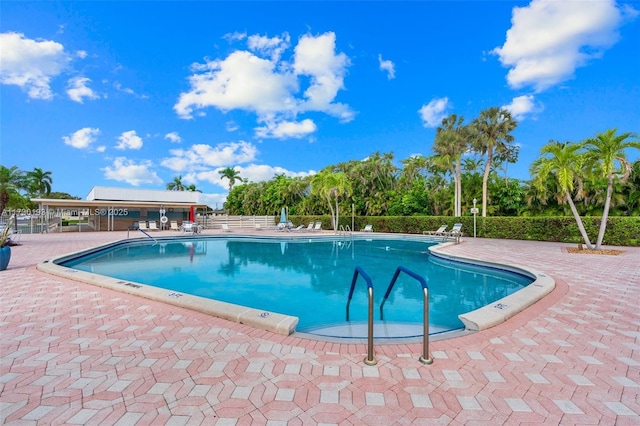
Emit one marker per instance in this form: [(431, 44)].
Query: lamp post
[(475, 212)]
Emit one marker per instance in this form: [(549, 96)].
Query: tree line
[(469, 164)]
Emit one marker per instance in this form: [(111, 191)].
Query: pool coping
[(479, 319), (502, 309)]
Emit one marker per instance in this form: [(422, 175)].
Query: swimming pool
[(309, 278)]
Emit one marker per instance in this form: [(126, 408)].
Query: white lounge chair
[(153, 226), (317, 227), (455, 233), (173, 225), (225, 227), (309, 228), (298, 228), (368, 228), (142, 225), (440, 232)]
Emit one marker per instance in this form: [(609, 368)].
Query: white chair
[(173, 225), (368, 228), (153, 225), (440, 232), (225, 227), (455, 233), (187, 228), (142, 225), (317, 227)]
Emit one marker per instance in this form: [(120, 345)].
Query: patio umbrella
[(283, 216), (191, 214)]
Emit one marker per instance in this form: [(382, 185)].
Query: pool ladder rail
[(370, 360), (345, 230), (138, 229)]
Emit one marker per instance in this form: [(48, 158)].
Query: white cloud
[(231, 37), (252, 172), (287, 129), (129, 140), (77, 89), (173, 137), (136, 174), (316, 57), (272, 47), (521, 106), (120, 88), (549, 39), (31, 64), (215, 201), (202, 156), (270, 87), (231, 126), (241, 81), (433, 113), (387, 66), (82, 54), (83, 138)]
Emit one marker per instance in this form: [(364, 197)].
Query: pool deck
[(74, 353)]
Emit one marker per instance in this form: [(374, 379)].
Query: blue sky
[(133, 94)]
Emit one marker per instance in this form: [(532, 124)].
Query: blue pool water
[(309, 278)]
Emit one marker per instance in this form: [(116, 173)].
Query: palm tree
[(413, 168), (39, 182), (176, 185), (492, 137), (231, 174), (605, 150), (564, 161), (192, 188), (330, 187), (449, 145), (11, 181)]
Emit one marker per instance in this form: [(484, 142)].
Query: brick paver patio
[(73, 353)]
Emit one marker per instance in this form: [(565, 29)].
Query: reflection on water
[(309, 279)]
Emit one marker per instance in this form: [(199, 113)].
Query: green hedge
[(621, 231)]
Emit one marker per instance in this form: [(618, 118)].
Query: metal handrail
[(136, 228), (344, 230), (425, 358), (369, 360)]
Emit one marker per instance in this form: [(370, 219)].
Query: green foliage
[(4, 236), (621, 231)]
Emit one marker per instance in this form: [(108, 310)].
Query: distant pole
[(353, 214), (475, 212)]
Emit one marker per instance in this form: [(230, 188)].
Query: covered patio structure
[(116, 209)]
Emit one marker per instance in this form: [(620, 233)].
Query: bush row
[(621, 231)]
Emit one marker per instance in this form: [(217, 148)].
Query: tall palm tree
[(605, 150), (492, 130), (177, 184), (39, 182), (330, 187), (449, 145), (231, 174), (192, 188), (565, 162), (11, 181)]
